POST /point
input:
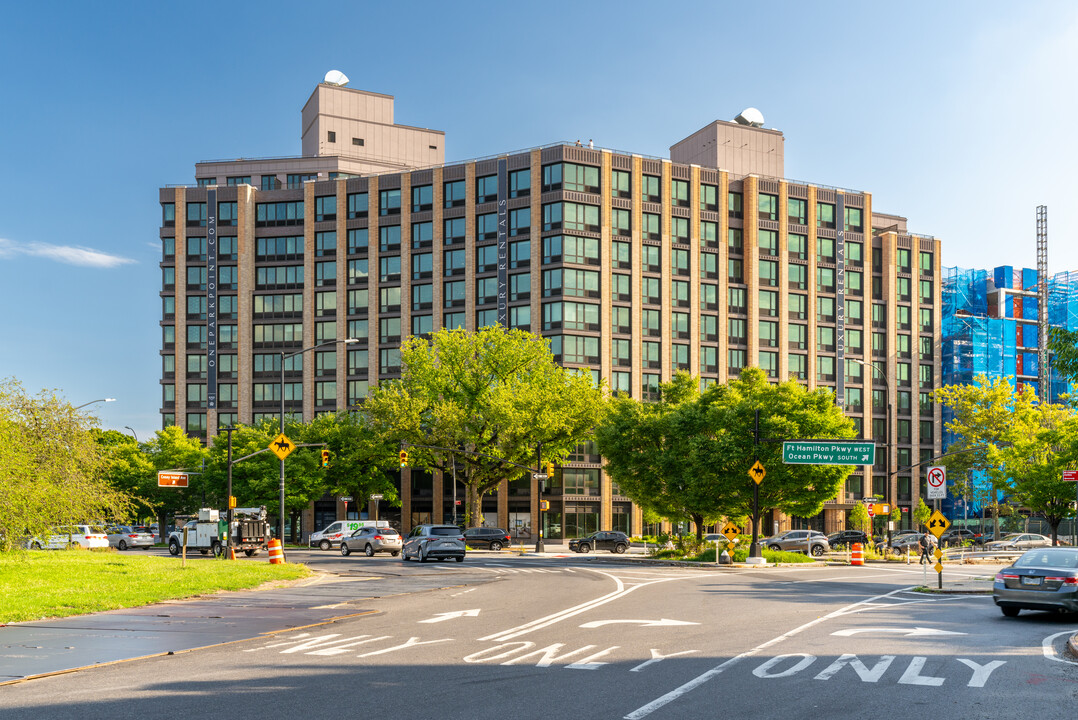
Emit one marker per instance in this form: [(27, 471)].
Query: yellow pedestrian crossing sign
[(937, 567), (281, 446), (757, 472)]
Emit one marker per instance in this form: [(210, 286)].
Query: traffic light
[(550, 469), (404, 458), (325, 458)]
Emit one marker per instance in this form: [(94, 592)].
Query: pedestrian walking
[(926, 549)]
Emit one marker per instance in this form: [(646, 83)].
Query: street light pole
[(128, 427), (348, 341), (94, 401)]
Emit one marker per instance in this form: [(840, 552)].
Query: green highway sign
[(828, 452)]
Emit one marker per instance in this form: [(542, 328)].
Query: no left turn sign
[(937, 482)]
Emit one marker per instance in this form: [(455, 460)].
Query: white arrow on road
[(440, 617), (643, 623), (908, 632)]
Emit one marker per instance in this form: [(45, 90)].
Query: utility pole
[(228, 514)]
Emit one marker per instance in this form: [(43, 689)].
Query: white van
[(336, 531)]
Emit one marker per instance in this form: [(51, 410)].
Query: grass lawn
[(37, 584)]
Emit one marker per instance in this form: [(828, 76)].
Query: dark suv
[(612, 540), (846, 538), (490, 538)]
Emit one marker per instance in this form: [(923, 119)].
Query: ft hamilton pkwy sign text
[(828, 452)]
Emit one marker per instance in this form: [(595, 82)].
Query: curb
[(1072, 645)]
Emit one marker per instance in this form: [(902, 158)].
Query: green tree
[(650, 451), (52, 469), (496, 395), (171, 449), (860, 520), (127, 468), (922, 512), (362, 460), (1063, 345)]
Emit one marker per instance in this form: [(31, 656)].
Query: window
[(769, 363), (325, 243), (737, 331), (798, 305), (651, 191), (679, 193), (621, 184), (679, 262), (358, 362), (357, 141), (798, 366), (486, 258), (853, 219), (325, 331), (486, 318), (854, 282), (621, 222), (679, 356), (270, 182), (825, 279), (486, 189), (797, 211), (389, 268), (196, 249), (266, 306), (735, 360), (520, 286), (278, 214), (709, 198), (736, 300), (520, 254), (580, 178), (679, 229), (926, 263), (903, 288), (389, 330), (768, 207), (453, 262), (650, 354), (389, 202), (454, 193), (571, 282), (825, 338), (389, 238), (709, 296), (358, 271), (768, 242), (734, 207), (735, 270), (650, 290), (422, 297), (422, 234), (358, 301), (620, 383), (520, 317), (520, 183), (903, 256), (325, 208), (926, 348), (520, 221), (925, 372), (575, 349), (734, 241), (769, 273), (768, 333), (854, 341), (620, 318), (926, 291), (168, 214), (359, 329), (797, 245), (357, 391), (926, 319), (825, 215), (357, 240), (798, 276), (422, 198), (455, 294), (798, 336), (709, 234), (571, 249), (486, 290), (619, 287), (454, 230), (196, 214), (296, 180), (679, 293), (652, 229), (709, 265), (357, 205), (854, 309), (389, 361)]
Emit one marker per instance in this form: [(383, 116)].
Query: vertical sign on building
[(503, 242), (840, 301), (211, 299)]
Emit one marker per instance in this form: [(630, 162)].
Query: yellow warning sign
[(281, 446), (757, 472), (938, 524), (938, 568), (731, 531)]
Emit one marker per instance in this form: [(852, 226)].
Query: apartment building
[(633, 268)]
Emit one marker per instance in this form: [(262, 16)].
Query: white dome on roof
[(336, 77), (750, 116)]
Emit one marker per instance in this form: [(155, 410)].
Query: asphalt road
[(591, 637)]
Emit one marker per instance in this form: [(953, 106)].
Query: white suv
[(84, 536)]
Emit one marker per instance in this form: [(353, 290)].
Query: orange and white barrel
[(276, 553), (857, 556)]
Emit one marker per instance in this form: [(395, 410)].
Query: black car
[(490, 538), (959, 536), (846, 538), (1043, 578), (612, 540)]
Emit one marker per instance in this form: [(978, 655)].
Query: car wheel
[(619, 548), (495, 545), (404, 556), (122, 545), (395, 554), (173, 548), (422, 556), (35, 546), (1010, 611), (325, 545), (460, 558), (773, 547), (368, 551), (250, 553), (817, 550), (344, 550), (585, 548), (218, 549)]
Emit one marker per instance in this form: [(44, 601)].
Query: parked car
[(122, 537), (846, 538), (371, 540), (960, 536), (612, 540), (70, 536), (811, 542), (339, 530), (436, 542), (1019, 541), (490, 538), (1041, 579)]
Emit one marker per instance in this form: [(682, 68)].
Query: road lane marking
[(643, 623), (1049, 651), (656, 656), (908, 632), (442, 617), (859, 667), (699, 680)]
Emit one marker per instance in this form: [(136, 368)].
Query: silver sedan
[(1019, 541), (1042, 579), (123, 537)]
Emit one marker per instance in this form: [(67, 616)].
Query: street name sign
[(937, 482), (171, 479), (1070, 476), (828, 452)]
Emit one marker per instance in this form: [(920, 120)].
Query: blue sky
[(956, 115)]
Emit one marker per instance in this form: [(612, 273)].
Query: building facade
[(632, 267)]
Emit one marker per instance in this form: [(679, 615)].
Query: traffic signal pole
[(754, 548)]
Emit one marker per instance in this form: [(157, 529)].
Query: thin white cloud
[(81, 256)]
